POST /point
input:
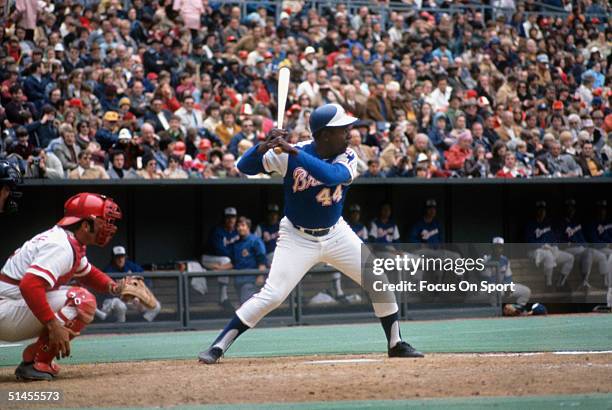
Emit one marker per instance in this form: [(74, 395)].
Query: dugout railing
[(181, 311)]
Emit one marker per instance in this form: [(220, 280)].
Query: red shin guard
[(77, 313)]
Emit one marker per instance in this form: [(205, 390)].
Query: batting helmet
[(329, 115), (11, 177), (102, 210)]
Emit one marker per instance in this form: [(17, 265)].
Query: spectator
[(174, 171), (558, 164), (149, 170), (22, 146), (43, 131), (459, 152), (19, 110), (42, 164), (510, 168), (477, 166), (67, 151), (588, 161), (107, 135), (116, 168), (374, 170), (190, 116), (228, 127), (158, 116), (86, 169), (227, 167)]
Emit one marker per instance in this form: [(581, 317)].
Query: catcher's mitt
[(132, 287)]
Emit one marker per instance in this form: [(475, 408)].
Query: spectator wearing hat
[(309, 62), (67, 150), (130, 148), (545, 253), (470, 108), (107, 135), (268, 231), (86, 169), (116, 167)]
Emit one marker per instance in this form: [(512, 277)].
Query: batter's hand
[(283, 144), (59, 338)]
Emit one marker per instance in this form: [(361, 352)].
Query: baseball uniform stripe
[(38, 271)]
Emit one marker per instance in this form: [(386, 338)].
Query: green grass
[(527, 334)]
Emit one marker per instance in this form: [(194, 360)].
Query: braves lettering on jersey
[(426, 232), (384, 232), (309, 202), (600, 232), (361, 231), (221, 239), (247, 253), (540, 232), (570, 231), (53, 255), (269, 235)]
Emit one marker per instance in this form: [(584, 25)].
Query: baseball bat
[(283, 89)]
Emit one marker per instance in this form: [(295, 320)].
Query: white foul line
[(343, 361), (11, 345)]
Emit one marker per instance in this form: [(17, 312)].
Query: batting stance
[(33, 298), (316, 175)]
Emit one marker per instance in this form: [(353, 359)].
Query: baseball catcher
[(37, 298)]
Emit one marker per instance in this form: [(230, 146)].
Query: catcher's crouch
[(35, 298)]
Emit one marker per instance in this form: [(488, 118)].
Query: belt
[(6, 279), (314, 232)]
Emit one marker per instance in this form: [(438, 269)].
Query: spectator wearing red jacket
[(459, 152)]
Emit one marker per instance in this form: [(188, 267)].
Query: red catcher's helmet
[(102, 210)]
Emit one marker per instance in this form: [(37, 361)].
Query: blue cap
[(329, 115)]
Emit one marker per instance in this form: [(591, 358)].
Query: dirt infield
[(302, 379)]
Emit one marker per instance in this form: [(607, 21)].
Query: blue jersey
[(314, 188), (570, 231), (129, 267), (384, 232), (426, 232), (269, 235), (220, 239), (247, 253), (600, 232), (540, 232), (360, 230)]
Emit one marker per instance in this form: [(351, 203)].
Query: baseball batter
[(35, 300), (316, 175)]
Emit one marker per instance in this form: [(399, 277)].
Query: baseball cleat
[(27, 372), (403, 349), (210, 356)]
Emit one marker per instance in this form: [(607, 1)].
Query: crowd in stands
[(181, 89)]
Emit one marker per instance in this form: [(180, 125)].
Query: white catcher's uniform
[(310, 208), (53, 255)]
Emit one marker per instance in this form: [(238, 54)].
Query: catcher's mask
[(102, 211)]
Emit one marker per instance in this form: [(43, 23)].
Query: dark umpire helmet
[(10, 177)]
